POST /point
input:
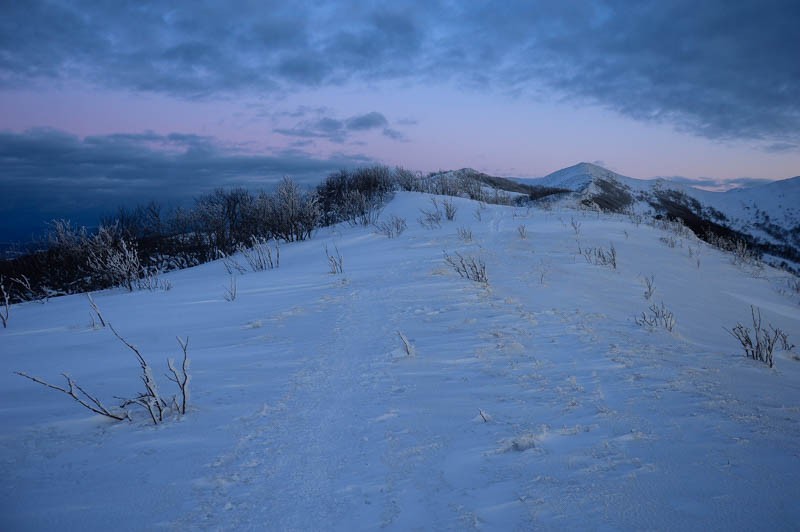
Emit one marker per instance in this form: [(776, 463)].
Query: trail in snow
[(533, 402)]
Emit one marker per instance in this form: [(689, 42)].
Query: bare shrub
[(181, 378), (478, 213), (96, 311), (649, 286), (392, 227), (741, 254), (294, 213), (522, 231), (259, 255), (230, 290), (500, 197), (468, 267), (432, 218), (675, 227), (657, 317), (114, 260), (231, 264), (543, 270), (450, 209), (151, 280), (335, 261), (465, 234), (760, 345), (576, 226), (27, 292), (80, 395), (408, 347), (222, 215), (357, 196), (5, 309), (406, 179), (793, 284), (150, 399), (361, 209), (669, 240), (601, 257)]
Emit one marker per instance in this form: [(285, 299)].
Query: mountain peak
[(580, 176)]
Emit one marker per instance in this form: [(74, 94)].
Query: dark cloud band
[(716, 68), (47, 174)]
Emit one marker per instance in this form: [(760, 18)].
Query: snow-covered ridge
[(767, 214), (533, 402)]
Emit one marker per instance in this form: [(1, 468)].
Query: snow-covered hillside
[(768, 215), (533, 402)]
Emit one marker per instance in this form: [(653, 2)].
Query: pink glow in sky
[(443, 128), (141, 98)]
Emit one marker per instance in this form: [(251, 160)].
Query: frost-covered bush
[(156, 406), (294, 213), (431, 218), (658, 316), (335, 260), (5, 304), (469, 267), (113, 260), (392, 227), (649, 286), (601, 257), (450, 209), (358, 196), (759, 343), (259, 255)]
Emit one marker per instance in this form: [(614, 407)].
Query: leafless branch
[(182, 379), (94, 404)]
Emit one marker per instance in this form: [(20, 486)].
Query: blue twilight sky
[(104, 102)]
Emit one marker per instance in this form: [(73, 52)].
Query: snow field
[(532, 402)]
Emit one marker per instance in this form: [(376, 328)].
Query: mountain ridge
[(766, 216)]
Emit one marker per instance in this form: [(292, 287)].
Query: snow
[(534, 402), (774, 203)]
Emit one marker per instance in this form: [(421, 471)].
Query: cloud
[(718, 69), (394, 134), (718, 185), (47, 174), (368, 121), (781, 147), (339, 131)]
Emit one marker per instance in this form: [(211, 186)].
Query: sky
[(107, 103)]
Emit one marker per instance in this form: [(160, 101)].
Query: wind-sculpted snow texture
[(533, 402)]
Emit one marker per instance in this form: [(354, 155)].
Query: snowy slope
[(769, 214), (307, 414), (749, 209)]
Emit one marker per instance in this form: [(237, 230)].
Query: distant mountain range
[(765, 216)]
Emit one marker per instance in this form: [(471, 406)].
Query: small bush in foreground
[(150, 399), (601, 256), (468, 267), (259, 255), (658, 316), (431, 219), (649, 286), (5, 305), (450, 209), (761, 343), (392, 227), (465, 234), (335, 260)]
